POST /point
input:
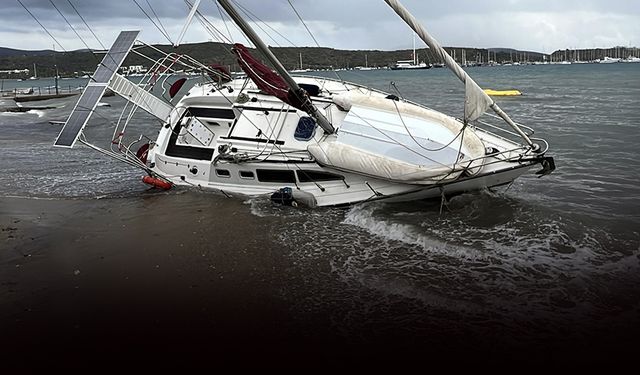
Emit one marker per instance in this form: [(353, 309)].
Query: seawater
[(555, 252)]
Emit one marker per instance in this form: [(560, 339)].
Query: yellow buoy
[(502, 92)]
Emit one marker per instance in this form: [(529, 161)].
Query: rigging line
[(303, 23), (218, 35), (158, 18), (87, 25), (393, 140), (41, 25), (418, 143), (209, 28), (266, 24), (247, 118), (224, 21), (74, 30), (255, 21), (310, 33), (153, 22)]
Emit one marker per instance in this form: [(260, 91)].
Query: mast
[(476, 101), (293, 86), (414, 49), (194, 8)]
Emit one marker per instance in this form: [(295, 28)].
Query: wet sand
[(178, 280), (118, 279)]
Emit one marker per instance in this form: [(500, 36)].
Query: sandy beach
[(170, 280), (124, 278), (123, 282)]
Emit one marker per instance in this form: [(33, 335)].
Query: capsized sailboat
[(307, 140)]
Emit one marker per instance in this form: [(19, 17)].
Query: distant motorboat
[(609, 60), (411, 64), (632, 59)]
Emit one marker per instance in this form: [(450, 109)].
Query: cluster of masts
[(511, 58)]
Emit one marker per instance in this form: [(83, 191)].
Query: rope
[(86, 24), (158, 18), (422, 147), (41, 25), (74, 30), (224, 21), (153, 22), (310, 33), (303, 23), (255, 21), (266, 24)]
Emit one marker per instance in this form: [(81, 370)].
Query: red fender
[(156, 182)]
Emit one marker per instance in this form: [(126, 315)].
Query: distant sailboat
[(366, 64), (35, 73), (301, 69)]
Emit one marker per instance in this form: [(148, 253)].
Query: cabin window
[(305, 130), (275, 175), (247, 175), (312, 90), (316, 176), (174, 148), (212, 113), (223, 173)]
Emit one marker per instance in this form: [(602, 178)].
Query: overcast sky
[(536, 25)]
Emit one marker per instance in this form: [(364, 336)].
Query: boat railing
[(529, 131), (497, 129)]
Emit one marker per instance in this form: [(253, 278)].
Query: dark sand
[(178, 281), (145, 279)]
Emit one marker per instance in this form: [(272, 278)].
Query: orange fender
[(156, 182)]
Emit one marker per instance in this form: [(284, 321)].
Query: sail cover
[(266, 79)]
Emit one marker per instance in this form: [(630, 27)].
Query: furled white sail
[(476, 100)]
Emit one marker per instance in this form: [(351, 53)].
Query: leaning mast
[(298, 91), (476, 101)]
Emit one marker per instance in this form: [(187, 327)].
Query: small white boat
[(609, 60)]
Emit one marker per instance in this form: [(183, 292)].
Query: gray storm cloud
[(349, 24)]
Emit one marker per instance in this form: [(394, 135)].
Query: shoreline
[(149, 280), (93, 275)]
